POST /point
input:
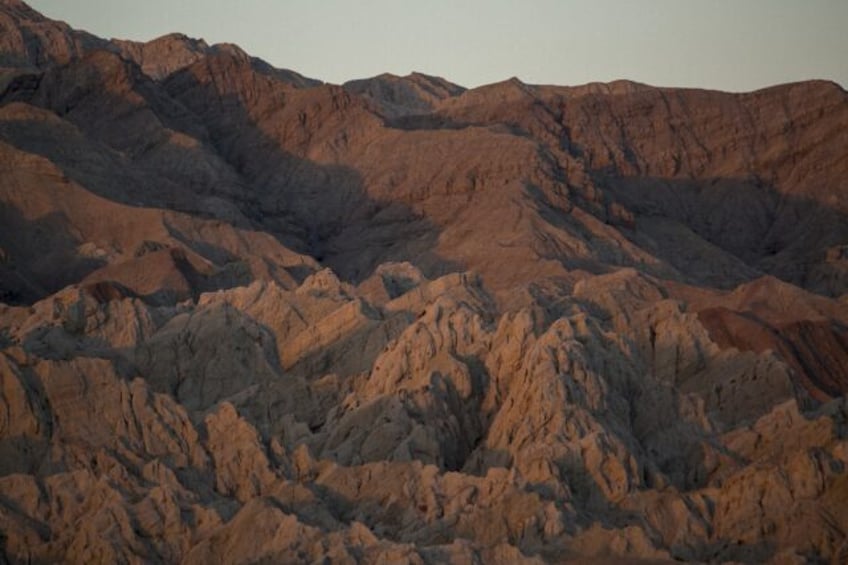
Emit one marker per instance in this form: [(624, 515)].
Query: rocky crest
[(247, 316)]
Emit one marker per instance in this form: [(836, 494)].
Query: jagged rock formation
[(247, 316)]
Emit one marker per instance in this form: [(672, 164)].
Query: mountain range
[(247, 316)]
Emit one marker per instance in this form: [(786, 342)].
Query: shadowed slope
[(251, 317)]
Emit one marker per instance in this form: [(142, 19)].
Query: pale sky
[(732, 45)]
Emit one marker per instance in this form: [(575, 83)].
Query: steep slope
[(28, 39), (247, 316)]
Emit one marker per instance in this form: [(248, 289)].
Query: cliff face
[(250, 316)]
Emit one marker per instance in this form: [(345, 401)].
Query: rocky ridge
[(248, 316)]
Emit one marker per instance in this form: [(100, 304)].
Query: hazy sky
[(723, 44)]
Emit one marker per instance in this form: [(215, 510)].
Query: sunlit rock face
[(249, 317)]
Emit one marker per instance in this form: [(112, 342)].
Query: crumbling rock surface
[(250, 317)]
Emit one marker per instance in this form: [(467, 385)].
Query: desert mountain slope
[(252, 317)]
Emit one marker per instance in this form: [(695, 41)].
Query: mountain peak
[(243, 319), (31, 40), (21, 10)]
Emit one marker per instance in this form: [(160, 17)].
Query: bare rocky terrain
[(249, 317)]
